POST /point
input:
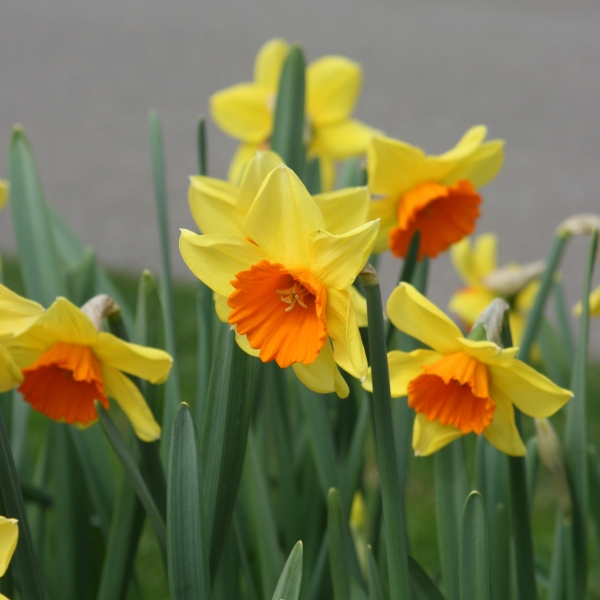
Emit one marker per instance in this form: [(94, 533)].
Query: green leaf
[(393, 500), (224, 437), (421, 586), (32, 586), (288, 123), (375, 585), (312, 176), (576, 431), (133, 473), (201, 146), (205, 313), (187, 546), (288, 586), (451, 489), (38, 256), (474, 551), (353, 173), (81, 278), (172, 389), (340, 575)]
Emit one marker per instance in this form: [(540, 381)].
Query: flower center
[(443, 214), (286, 334), (454, 391), (64, 382)]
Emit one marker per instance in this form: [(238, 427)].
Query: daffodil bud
[(579, 225), (552, 457), (357, 512), (511, 279), (492, 318), (100, 307)]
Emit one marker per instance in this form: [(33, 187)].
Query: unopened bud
[(368, 276), (357, 512), (100, 307), (552, 457), (579, 225), (491, 319), (511, 279)]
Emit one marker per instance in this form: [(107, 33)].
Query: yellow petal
[(342, 140), (151, 364), (594, 304), (530, 391), (212, 204), (480, 167), (342, 328), (386, 210), (243, 111), (269, 62), (430, 436), (336, 260), (333, 84), (262, 163), (4, 187), (282, 217), (468, 303), (221, 307), (244, 344), (328, 172), (16, 313), (242, 156), (62, 322), (360, 306), (488, 352), (344, 209), (132, 403), (322, 375), (473, 264), (215, 260), (10, 374), (526, 297), (9, 535), (467, 144), (403, 368), (502, 432), (415, 315)]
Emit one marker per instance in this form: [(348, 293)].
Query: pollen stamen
[(296, 293)]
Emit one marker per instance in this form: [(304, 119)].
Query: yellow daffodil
[(594, 304), (285, 285), (435, 195), (477, 267), (9, 535), (462, 386), (66, 364), (245, 111)]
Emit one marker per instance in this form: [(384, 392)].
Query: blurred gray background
[(81, 76)]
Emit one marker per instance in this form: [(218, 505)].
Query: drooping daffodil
[(460, 385), (435, 195), (9, 536), (477, 266), (285, 285), (333, 83), (66, 364)]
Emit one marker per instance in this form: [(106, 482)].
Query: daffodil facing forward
[(477, 266), (285, 287), (435, 195), (462, 386), (9, 536), (245, 111), (66, 365)]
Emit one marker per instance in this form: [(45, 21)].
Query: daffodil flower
[(285, 285), (66, 364), (435, 195), (594, 304), (245, 111), (477, 266), (461, 386), (9, 536)]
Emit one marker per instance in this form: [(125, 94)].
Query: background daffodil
[(9, 536), (3, 192), (245, 111), (477, 267), (435, 195), (461, 386), (594, 304), (287, 291), (66, 365)]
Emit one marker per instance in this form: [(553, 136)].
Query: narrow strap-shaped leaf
[(393, 501), (353, 173), (205, 314), (376, 591), (312, 176), (224, 436), (187, 546), (474, 551), (288, 124), (81, 278), (38, 256), (421, 586), (290, 581), (133, 473), (532, 465), (246, 570), (576, 430), (562, 314), (32, 586), (451, 489), (172, 395), (201, 146), (340, 573)]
